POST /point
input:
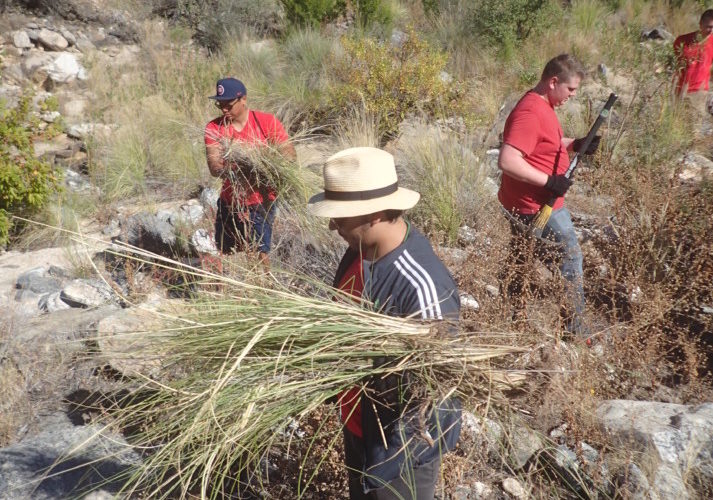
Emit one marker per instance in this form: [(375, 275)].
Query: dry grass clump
[(452, 180), (243, 363)]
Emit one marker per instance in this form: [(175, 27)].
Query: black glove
[(591, 149), (558, 184)]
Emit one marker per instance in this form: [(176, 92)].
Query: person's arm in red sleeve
[(214, 151), (278, 136), (519, 139)]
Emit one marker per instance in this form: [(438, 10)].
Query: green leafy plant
[(506, 23), (312, 13), (392, 80), (26, 183)]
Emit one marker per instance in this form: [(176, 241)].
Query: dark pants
[(240, 228), (413, 484)]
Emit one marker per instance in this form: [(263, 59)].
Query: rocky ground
[(56, 315)]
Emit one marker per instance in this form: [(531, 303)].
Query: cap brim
[(402, 199), (223, 98)]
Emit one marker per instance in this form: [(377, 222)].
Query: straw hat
[(360, 181)]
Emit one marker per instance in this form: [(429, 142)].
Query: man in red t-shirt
[(694, 55), (533, 158), (245, 212)]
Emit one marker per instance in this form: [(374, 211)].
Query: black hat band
[(369, 194)]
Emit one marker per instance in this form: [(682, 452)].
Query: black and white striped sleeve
[(428, 291)]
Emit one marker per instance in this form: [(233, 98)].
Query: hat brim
[(223, 98), (402, 199)]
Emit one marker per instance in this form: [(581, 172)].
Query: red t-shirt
[(261, 128), (350, 400), (694, 58), (534, 130)]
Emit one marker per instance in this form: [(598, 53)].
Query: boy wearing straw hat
[(392, 449), (244, 209), (533, 158)]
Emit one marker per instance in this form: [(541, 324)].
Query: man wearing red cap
[(245, 213)]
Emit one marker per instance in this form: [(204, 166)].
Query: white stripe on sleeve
[(414, 283), (431, 285)]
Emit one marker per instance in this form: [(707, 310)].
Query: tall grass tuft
[(240, 365), (449, 176)]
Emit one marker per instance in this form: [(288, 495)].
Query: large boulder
[(151, 233), (86, 293), (677, 438), (64, 461), (51, 40), (130, 341), (65, 68)]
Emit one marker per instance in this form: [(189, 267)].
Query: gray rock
[(77, 458), (77, 182), (695, 167), (125, 345), (85, 45), (634, 484), (33, 33), (65, 68), (21, 40), (74, 109), (69, 36), (209, 199), (203, 243), (35, 65), (52, 302), (84, 131), (677, 437), (467, 235), (398, 38), (87, 293), (38, 281), (151, 233), (113, 229), (52, 40), (32, 26), (467, 301), (13, 72), (512, 487), (50, 116), (455, 257), (492, 290), (657, 33), (524, 443), (191, 213)]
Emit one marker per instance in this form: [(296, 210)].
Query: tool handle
[(603, 114)]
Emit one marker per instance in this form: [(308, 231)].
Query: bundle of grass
[(240, 365), (268, 168)]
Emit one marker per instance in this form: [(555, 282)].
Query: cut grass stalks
[(240, 365)]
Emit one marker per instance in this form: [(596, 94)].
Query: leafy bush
[(312, 13), (505, 23), (26, 183), (390, 80), (217, 21)]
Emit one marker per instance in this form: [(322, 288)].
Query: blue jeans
[(239, 227), (560, 230)]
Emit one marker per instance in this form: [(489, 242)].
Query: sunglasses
[(226, 104)]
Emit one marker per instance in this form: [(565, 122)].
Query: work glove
[(558, 184), (591, 149)]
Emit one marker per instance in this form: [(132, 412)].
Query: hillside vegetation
[(431, 81)]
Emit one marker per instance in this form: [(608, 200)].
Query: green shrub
[(26, 183), (390, 81), (217, 21), (505, 23), (312, 13)]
